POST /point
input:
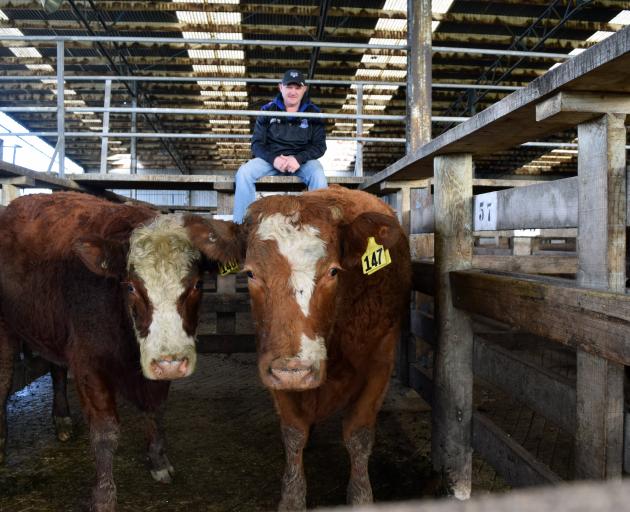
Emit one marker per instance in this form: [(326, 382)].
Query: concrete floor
[(224, 441)]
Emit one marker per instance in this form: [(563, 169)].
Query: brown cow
[(110, 291), (326, 332)]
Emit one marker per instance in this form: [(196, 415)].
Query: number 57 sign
[(485, 212)]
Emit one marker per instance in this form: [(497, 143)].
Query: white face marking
[(302, 247), (312, 350), (162, 254)]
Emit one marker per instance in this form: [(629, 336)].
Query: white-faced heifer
[(111, 292), (329, 278)]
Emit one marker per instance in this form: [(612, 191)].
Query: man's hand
[(286, 163), (292, 164), (280, 163)]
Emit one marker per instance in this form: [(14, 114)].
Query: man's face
[(292, 94)]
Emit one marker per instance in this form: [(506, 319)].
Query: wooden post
[(453, 371), (405, 208), (521, 246), (601, 256), (225, 201), (418, 73), (9, 193)]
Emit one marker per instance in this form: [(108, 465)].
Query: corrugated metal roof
[(468, 23)]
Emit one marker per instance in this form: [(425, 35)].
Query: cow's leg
[(160, 467), (7, 360), (61, 411), (99, 405), (295, 428), (293, 494), (358, 432)]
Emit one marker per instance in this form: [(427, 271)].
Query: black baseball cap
[(293, 76)]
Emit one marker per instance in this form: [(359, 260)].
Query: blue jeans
[(310, 172)]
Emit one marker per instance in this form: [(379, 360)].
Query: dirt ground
[(224, 441)]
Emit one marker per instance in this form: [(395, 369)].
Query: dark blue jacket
[(303, 138)]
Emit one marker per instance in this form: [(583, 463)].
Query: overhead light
[(51, 6)]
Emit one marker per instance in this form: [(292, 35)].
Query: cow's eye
[(130, 288), (250, 274), (199, 284), (334, 271)]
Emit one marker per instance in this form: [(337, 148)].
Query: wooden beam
[(194, 181), (41, 179), (19, 181), (577, 107), (9, 193), (546, 205), (530, 264), (557, 309), (387, 187), (423, 277), (451, 448), (224, 186), (544, 233)]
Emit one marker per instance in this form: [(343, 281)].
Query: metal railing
[(105, 134)]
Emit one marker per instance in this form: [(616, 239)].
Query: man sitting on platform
[(283, 145)]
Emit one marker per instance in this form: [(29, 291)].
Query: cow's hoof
[(288, 504), (63, 427), (293, 493), (104, 497), (164, 475), (103, 507), (359, 493)]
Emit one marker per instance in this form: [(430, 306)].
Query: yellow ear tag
[(375, 257), (231, 267)]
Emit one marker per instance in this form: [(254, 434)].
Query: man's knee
[(314, 174), (244, 173), (251, 171)]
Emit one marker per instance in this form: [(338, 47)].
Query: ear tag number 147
[(375, 257), (231, 267)]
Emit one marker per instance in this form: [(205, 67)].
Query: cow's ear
[(354, 236), (107, 258), (218, 240)]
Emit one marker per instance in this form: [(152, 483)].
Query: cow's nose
[(169, 367), (293, 374)]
